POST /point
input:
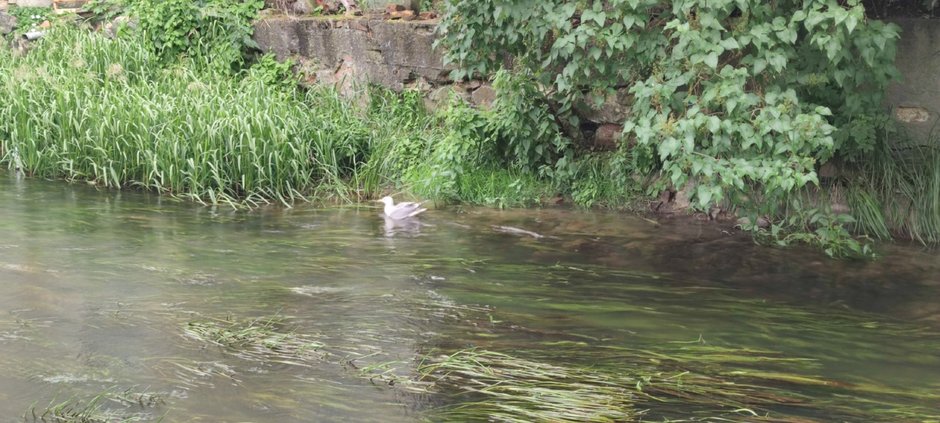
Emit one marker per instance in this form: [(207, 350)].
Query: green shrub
[(728, 93)]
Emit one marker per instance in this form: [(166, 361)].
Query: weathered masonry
[(399, 55), (915, 99)]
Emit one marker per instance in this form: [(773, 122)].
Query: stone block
[(607, 137), (439, 97), (909, 114), (7, 23), (614, 109), (68, 5), (484, 96), (405, 5), (914, 100)]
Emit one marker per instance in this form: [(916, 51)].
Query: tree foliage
[(730, 94)]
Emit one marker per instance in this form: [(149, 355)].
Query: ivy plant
[(729, 94)]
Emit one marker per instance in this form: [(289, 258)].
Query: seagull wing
[(405, 210), (417, 212)]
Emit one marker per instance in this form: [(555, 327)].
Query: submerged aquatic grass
[(635, 385), (572, 378), (508, 389), (96, 409), (260, 338)]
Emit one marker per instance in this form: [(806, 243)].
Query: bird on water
[(401, 210)]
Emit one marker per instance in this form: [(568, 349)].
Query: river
[(151, 304)]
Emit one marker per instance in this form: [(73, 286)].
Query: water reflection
[(402, 227)]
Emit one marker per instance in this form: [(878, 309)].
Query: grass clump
[(897, 194), (894, 193), (711, 383), (95, 410), (81, 106), (509, 389), (255, 339)]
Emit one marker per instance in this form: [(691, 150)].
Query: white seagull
[(401, 210)]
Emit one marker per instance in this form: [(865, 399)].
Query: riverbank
[(85, 107), (116, 113)]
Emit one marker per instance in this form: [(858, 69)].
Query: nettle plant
[(729, 94)]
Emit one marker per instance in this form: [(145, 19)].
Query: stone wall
[(350, 53), (400, 54), (915, 100), (395, 54)]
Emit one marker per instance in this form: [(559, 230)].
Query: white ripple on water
[(314, 290)]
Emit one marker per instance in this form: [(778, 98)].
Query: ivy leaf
[(730, 44), (712, 60), (628, 21), (778, 62), (668, 147), (850, 23), (759, 66), (595, 53), (714, 124), (730, 105), (628, 126), (704, 195)]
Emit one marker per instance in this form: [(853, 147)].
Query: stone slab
[(914, 101)]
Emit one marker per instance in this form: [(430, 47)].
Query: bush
[(728, 93)]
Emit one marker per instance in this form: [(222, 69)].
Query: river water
[(102, 294)]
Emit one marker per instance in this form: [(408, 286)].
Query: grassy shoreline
[(85, 107)]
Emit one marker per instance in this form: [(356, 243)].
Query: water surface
[(98, 289)]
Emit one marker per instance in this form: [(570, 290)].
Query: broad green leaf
[(711, 59)]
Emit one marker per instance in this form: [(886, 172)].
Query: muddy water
[(97, 290)]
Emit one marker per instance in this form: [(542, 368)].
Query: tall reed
[(82, 106), (896, 193)]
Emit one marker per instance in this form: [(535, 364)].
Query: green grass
[(491, 187), (82, 107), (896, 193)]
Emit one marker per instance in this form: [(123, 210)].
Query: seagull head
[(387, 200)]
